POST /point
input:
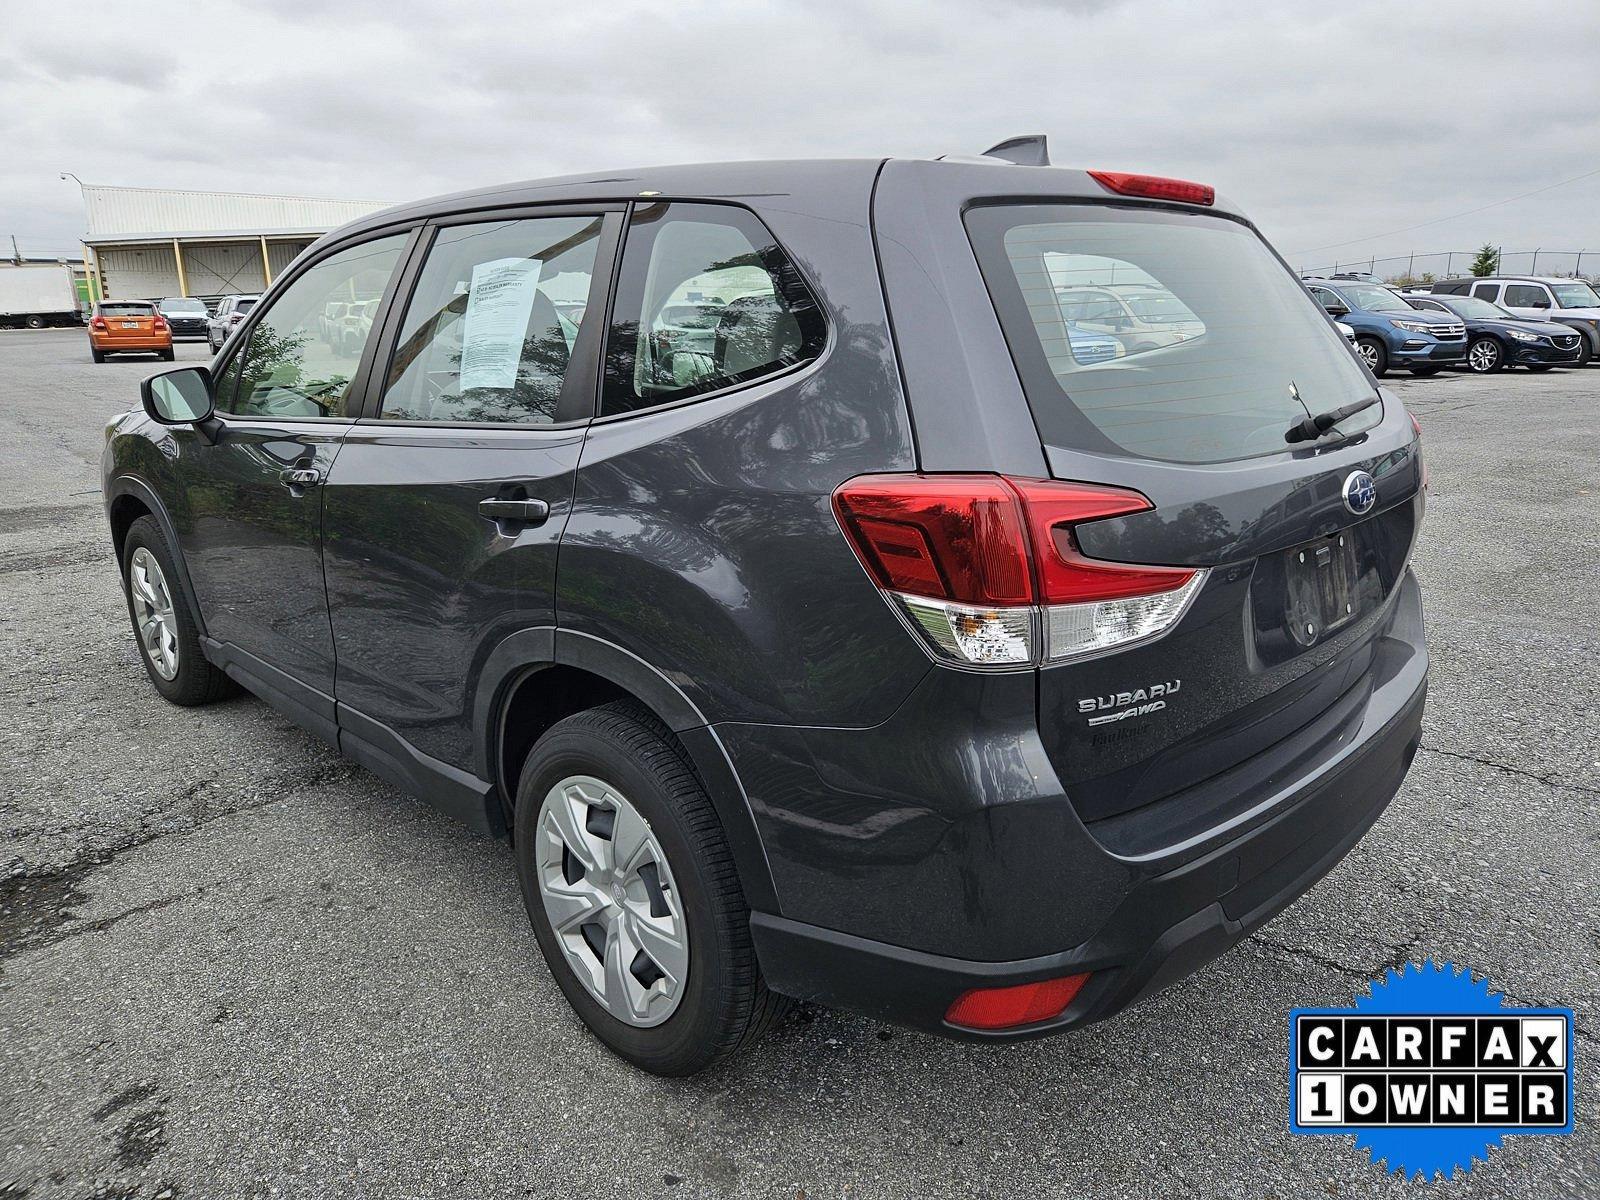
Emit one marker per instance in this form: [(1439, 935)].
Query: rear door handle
[(300, 477), (520, 512)]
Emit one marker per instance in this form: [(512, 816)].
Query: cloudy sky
[(1338, 126)]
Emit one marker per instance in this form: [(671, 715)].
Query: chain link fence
[(1446, 264)]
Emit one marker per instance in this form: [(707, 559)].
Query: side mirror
[(180, 397), (1337, 310)]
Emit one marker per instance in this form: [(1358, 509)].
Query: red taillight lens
[(1156, 187), (161, 323), (97, 323), (988, 569), (1065, 575), (949, 537), (1008, 1007)]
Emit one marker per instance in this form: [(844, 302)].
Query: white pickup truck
[(37, 295)]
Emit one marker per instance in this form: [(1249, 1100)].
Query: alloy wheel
[(1369, 354), (1484, 355), (153, 616), (609, 894)]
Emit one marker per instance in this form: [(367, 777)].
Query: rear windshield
[(244, 305), (1159, 334), (126, 309)]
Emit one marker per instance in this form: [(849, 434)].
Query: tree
[(1487, 262)]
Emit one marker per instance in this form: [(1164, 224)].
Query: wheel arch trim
[(131, 485), (528, 651)]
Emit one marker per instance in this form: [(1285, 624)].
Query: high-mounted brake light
[(1021, 1004), (1155, 187), (989, 571)]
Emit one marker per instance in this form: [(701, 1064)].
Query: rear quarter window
[(1159, 333)]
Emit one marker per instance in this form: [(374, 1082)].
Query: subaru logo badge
[(1360, 492)]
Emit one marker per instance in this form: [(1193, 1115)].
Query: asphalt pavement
[(232, 964)]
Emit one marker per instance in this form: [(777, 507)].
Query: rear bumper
[(130, 345), (1164, 919)]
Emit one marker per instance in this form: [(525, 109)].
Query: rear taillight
[(1155, 187), (989, 571), (161, 323), (1010, 1007), (98, 323), (1416, 426)]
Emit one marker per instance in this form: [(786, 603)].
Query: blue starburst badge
[(1430, 1070)]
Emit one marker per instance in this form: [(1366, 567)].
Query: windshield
[(1373, 298), (1576, 294), (1474, 309), (1213, 379), (178, 304)]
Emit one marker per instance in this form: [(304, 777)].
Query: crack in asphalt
[(1399, 952), (1510, 770), (37, 909)]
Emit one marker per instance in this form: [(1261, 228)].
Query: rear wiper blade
[(1309, 429)]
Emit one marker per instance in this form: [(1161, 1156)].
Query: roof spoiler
[(1026, 150)]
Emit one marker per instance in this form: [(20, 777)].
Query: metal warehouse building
[(145, 243)]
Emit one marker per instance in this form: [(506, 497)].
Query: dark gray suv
[(758, 547)]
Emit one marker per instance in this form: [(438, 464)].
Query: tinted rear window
[(244, 305), (126, 309), (1159, 334)]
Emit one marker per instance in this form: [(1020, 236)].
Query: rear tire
[(169, 355), (623, 759), (1585, 351), (1375, 354), (170, 652), (99, 356), (35, 322)]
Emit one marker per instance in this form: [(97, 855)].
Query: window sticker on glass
[(498, 307)]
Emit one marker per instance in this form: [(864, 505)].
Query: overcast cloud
[(1330, 123)]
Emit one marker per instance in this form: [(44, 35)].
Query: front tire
[(1375, 354), (169, 643), (1486, 355), (633, 894)]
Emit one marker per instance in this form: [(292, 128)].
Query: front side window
[(1525, 295), (292, 363), (1167, 335), (706, 299), (492, 323)]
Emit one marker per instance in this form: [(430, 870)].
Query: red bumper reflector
[(1023, 1004)]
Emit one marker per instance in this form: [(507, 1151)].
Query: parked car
[(1389, 332), (128, 327), (1570, 302), (903, 663), (1136, 318), (331, 326), (225, 318), (187, 317), (1497, 339)]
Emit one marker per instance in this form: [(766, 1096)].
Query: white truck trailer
[(38, 294)]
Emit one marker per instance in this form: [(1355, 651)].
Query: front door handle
[(519, 512), (300, 477)]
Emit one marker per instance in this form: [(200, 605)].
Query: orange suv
[(128, 327)]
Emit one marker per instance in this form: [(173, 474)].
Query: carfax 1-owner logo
[(1430, 1070)]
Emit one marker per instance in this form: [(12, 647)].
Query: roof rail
[(1026, 150)]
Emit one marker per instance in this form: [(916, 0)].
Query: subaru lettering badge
[(1360, 492)]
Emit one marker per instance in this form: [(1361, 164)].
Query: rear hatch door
[(129, 322), (1304, 543)]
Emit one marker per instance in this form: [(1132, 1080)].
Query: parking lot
[(232, 964)]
